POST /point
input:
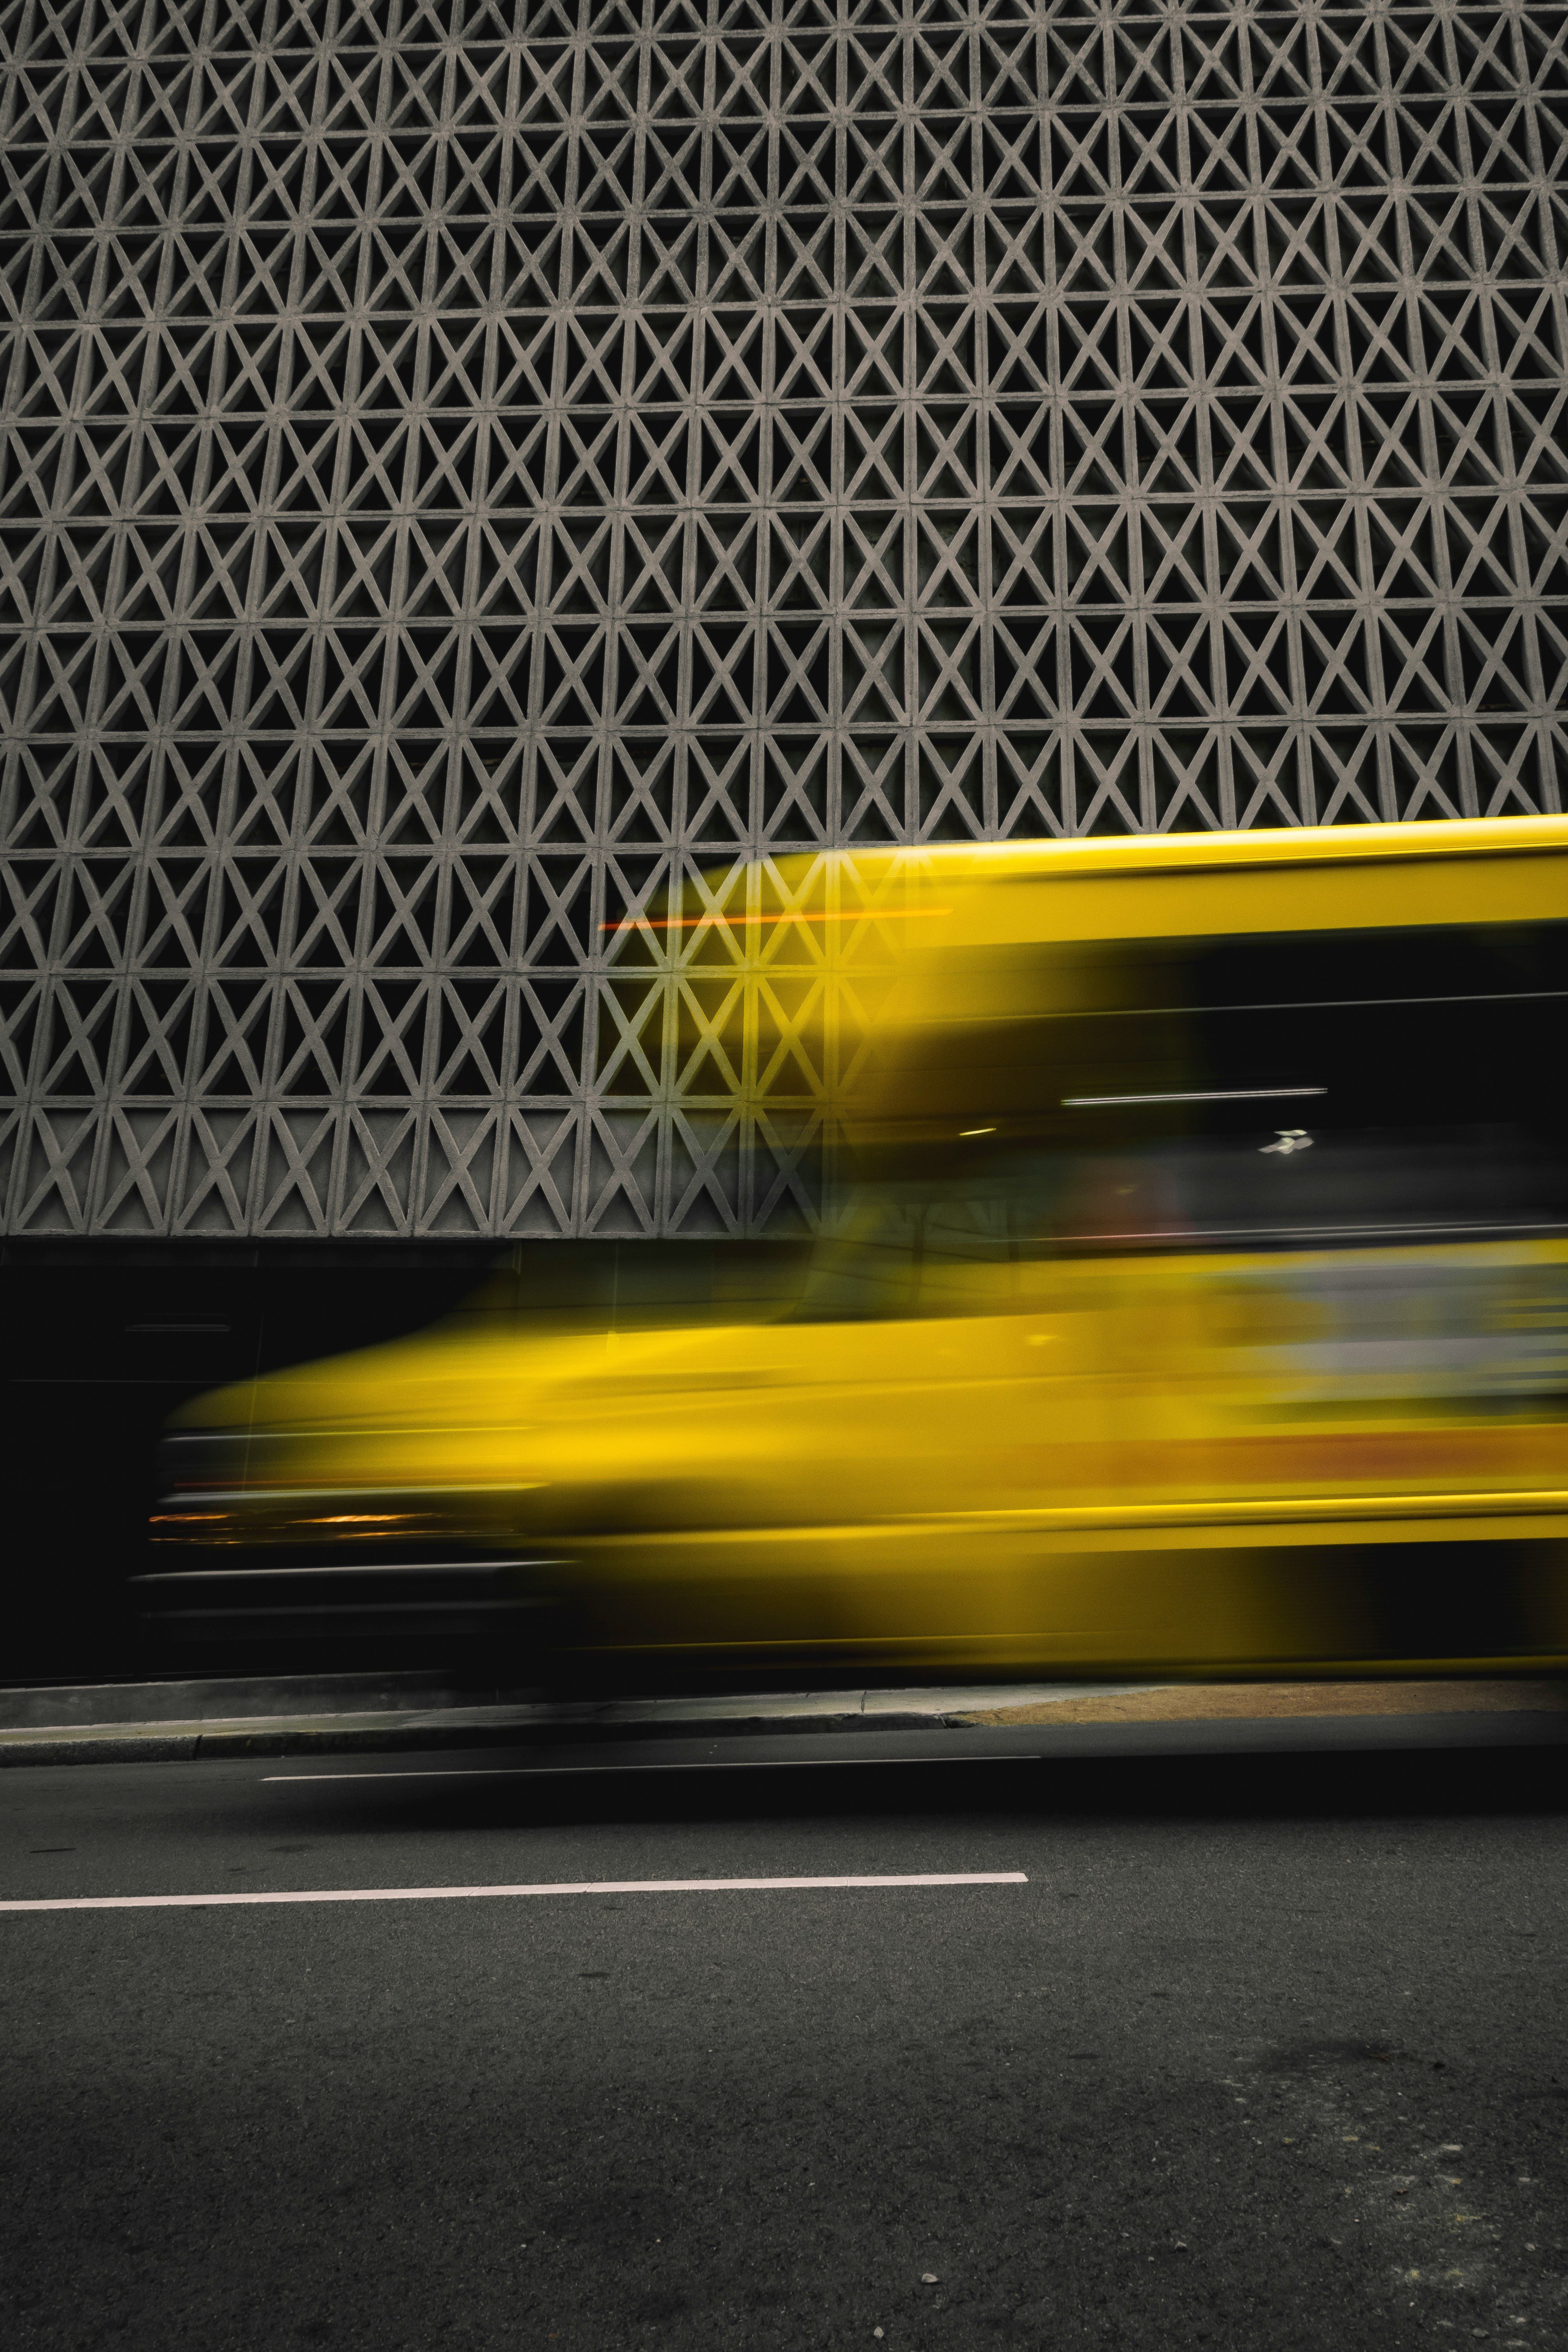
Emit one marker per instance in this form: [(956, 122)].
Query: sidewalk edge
[(395, 1735)]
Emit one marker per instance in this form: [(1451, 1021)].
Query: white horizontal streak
[(713, 1763), (1220, 1094), (451, 1894)]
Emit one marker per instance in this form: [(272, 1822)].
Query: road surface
[(1251, 2052)]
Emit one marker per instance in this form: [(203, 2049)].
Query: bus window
[(1253, 1093)]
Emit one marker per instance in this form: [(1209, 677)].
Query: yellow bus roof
[(1145, 886), (1142, 852)]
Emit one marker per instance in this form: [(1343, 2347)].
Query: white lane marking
[(435, 1773), (551, 1886)]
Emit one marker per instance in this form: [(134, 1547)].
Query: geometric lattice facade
[(467, 466)]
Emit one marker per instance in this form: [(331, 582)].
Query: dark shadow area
[(1431, 1785)]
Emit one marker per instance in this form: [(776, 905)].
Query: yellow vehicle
[(1196, 1300)]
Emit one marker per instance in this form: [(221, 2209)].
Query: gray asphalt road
[(1265, 2052)]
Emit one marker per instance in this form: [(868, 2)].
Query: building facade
[(469, 467)]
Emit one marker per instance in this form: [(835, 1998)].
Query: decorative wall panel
[(467, 466)]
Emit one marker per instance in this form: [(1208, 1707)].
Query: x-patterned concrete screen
[(470, 469)]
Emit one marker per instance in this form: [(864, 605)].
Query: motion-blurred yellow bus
[(1195, 1301)]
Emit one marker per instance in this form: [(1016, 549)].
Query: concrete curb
[(395, 1734), (871, 1740), (317, 1714), (422, 1718), (145, 1751), (67, 1708)]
